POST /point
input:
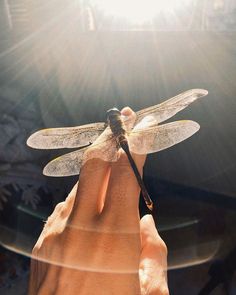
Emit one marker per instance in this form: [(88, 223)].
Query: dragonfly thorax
[(116, 123)]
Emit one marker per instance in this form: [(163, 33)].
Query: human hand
[(95, 243)]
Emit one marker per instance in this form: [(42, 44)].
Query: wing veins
[(174, 104), (51, 168), (68, 137)]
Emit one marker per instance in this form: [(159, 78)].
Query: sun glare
[(138, 10)]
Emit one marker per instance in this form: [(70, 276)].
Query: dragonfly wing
[(163, 111), (65, 165), (69, 164), (105, 148), (69, 137), (146, 122), (157, 138)]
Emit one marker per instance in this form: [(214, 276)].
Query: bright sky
[(139, 10)]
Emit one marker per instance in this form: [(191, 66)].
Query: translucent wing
[(105, 148), (65, 165), (69, 137), (172, 106), (160, 137)]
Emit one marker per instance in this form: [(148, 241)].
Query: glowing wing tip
[(196, 125), (200, 92), (30, 141), (34, 140), (192, 123), (47, 171)]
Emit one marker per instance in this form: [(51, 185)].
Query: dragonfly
[(139, 134)]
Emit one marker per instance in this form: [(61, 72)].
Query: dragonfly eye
[(112, 112)]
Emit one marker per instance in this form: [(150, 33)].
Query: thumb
[(153, 261)]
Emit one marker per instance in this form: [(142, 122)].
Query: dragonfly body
[(142, 135), (117, 126)]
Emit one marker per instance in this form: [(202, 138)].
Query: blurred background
[(64, 63)]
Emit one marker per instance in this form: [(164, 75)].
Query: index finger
[(90, 192)]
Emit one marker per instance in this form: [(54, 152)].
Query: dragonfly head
[(113, 112)]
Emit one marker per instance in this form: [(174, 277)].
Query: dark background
[(58, 71)]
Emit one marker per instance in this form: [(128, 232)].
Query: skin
[(95, 243)]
